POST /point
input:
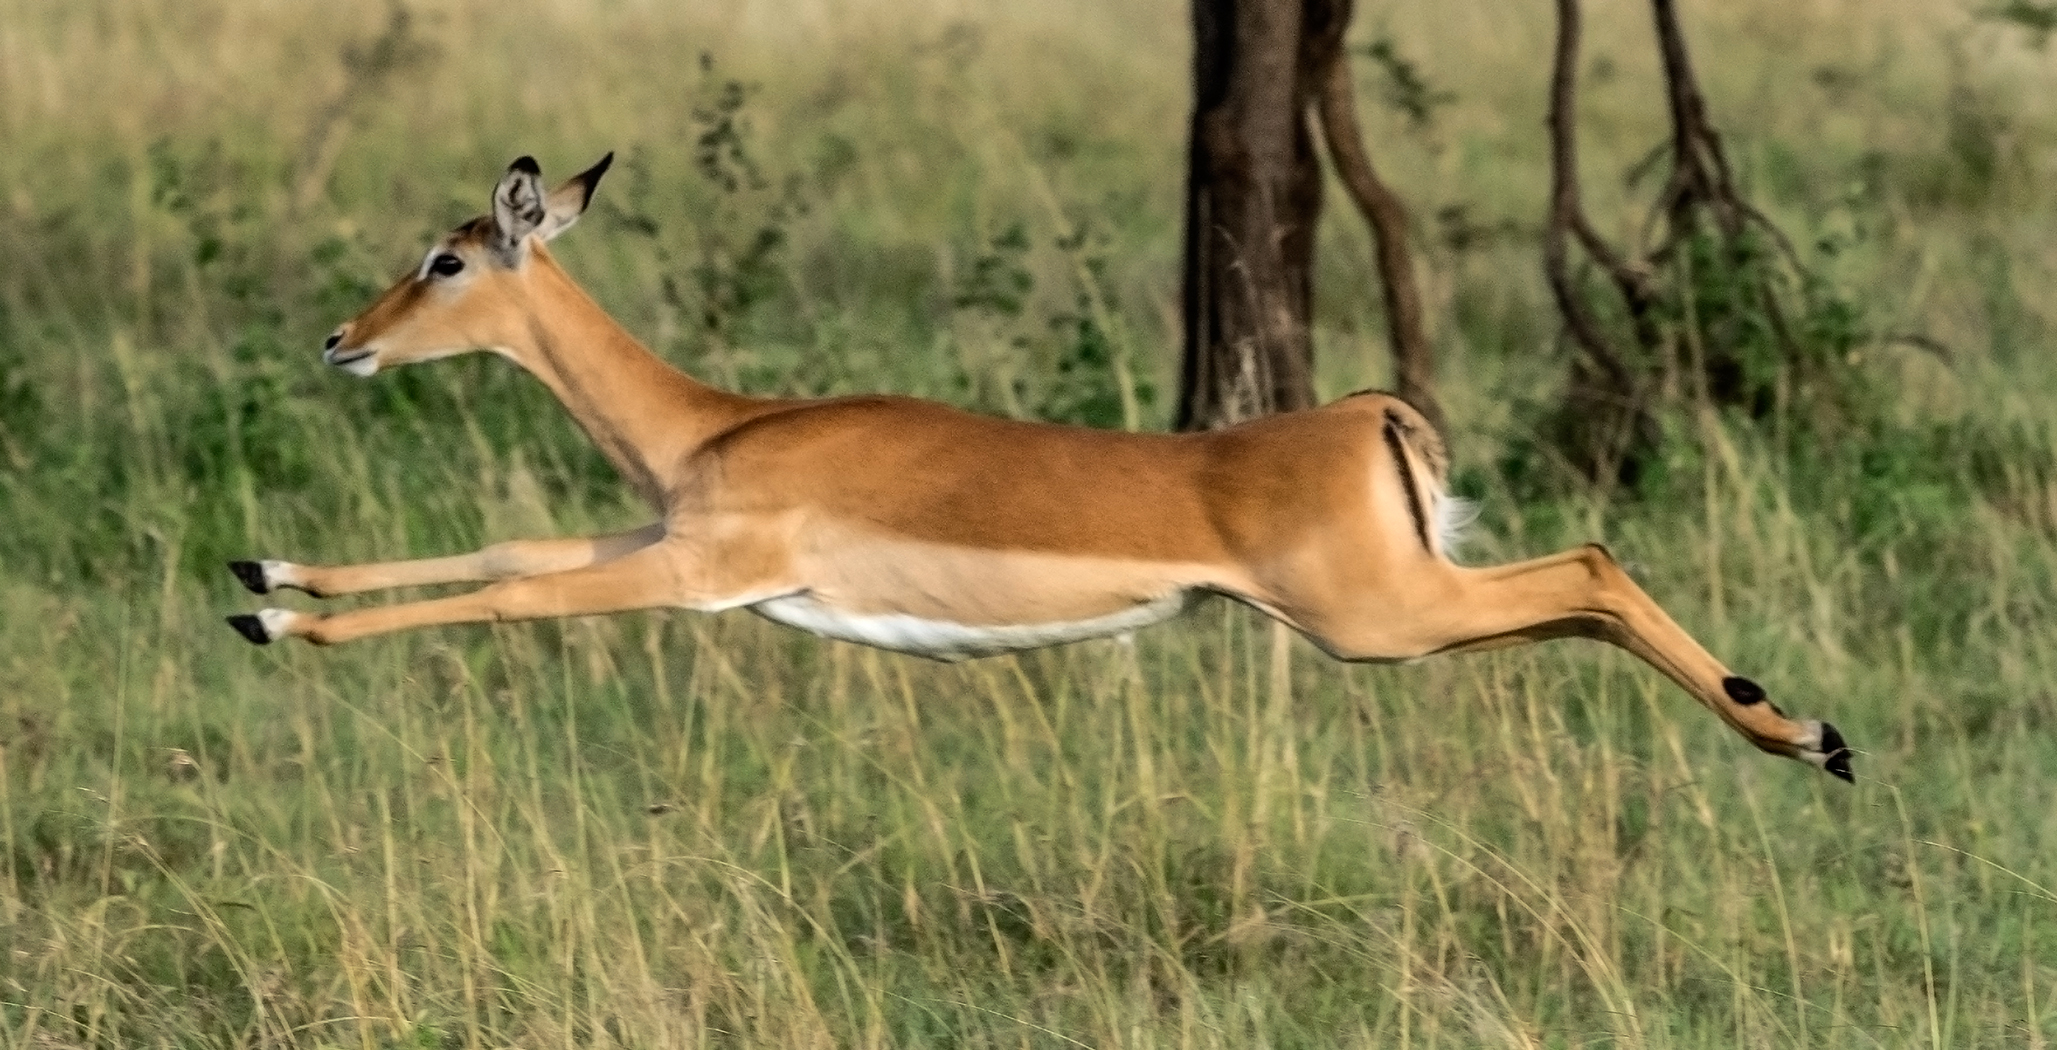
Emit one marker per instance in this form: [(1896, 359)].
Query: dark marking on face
[(1743, 691)]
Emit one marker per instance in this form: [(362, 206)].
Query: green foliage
[(1088, 386), (999, 281), (1737, 323), (1073, 371), (1406, 90), (2038, 19), (737, 278)]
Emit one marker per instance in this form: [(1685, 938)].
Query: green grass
[(682, 830)]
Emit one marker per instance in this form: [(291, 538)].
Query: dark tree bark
[(1253, 200), (1253, 196)]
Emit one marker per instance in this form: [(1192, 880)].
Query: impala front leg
[(656, 576), (501, 561)]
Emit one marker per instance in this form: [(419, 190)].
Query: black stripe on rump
[(1398, 446)]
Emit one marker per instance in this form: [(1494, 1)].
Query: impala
[(913, 526)]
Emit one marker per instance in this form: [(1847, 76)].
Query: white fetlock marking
[(277, 622), (1812, 749), (279, 573)]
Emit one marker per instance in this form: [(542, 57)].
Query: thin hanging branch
[(1700, 176), (1699, 172), (1413, 359), (1335, 107), (1568, 217)]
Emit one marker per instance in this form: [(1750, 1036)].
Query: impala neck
[(642, 413)]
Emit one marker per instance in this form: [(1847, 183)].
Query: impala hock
[(913, 526)]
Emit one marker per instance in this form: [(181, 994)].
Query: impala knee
[(1614, 594), (1599, 560)]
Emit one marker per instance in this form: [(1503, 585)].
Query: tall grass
[(678, 830)]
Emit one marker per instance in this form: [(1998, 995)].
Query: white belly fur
[(943, 640)]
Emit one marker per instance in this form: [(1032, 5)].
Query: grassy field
[(673, 830)]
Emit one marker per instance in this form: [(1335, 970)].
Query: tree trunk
[(1252, 199), (1252, 203)]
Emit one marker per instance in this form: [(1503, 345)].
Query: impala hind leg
[(501, 561), (657, 576), (1585, 593)]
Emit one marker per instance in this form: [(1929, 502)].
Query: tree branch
[(1413, 361), (1567, 215)]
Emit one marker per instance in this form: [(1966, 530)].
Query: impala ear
[(518, 208), (567, 202)]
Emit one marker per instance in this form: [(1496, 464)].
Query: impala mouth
[(359, 361)]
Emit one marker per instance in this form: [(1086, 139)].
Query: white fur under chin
[(363, 368)]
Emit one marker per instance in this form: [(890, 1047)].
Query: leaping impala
[(913, 526)]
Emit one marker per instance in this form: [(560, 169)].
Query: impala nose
[(356, 360), (329, 356)]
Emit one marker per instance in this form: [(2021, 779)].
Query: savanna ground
[(676, 830)]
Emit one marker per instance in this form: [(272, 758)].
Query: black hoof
[(252, 575), (251, 628), (1838, 761)]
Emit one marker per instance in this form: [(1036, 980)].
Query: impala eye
[(446, 265)]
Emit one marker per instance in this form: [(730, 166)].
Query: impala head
[(465, 294)]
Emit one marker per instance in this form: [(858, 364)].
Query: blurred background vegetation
[(679, 830)]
